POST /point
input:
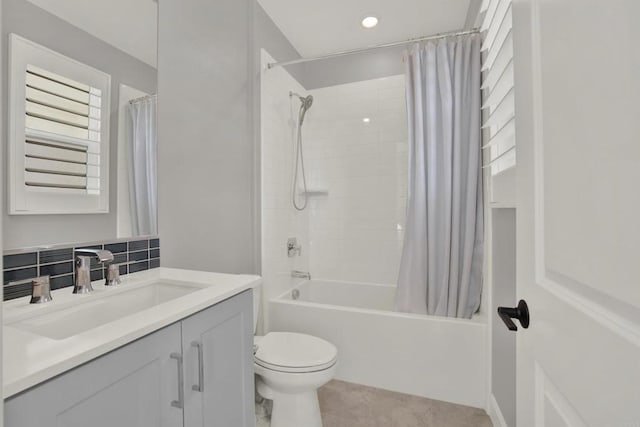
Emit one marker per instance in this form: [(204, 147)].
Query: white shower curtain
[(142, 156), (441, 266)]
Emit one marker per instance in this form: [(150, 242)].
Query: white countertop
[(29, 359)]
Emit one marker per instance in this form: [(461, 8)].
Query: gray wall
[(35, 24), (267, 36), (2, 207), (209, 124), (327, 72), (503, 341), (205, 135), (370, 65)]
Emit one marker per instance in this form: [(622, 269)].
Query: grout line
[(68, 245), (20, 268), (16, 283), (44, 264), (61, 275)]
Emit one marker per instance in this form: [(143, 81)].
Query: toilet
[(290, 367)]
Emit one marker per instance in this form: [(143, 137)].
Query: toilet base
[(294, 395), (296, 410)]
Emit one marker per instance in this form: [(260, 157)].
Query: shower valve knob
[(293, 248)]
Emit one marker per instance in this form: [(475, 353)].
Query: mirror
[(116, 40)]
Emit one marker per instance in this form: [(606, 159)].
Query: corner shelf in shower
[(314, 192)]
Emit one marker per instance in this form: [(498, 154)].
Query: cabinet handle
[(200, 386), (180, 402)]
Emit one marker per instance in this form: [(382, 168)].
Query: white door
[(578, 234)]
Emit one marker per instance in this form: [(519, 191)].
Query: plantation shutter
[(59, 133), (497, 86), (62, 132)]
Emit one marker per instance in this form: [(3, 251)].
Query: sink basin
[(91, 314)]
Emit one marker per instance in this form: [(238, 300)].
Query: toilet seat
[(300, 370), (295, 353)]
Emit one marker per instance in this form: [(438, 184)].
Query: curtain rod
[(142, 98), (367, 49)]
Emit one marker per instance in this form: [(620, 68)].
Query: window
[(58, 133), (498, 86)]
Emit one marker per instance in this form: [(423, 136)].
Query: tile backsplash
[(20, 266)]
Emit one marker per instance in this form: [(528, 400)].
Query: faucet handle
[(293, 248), (40, 290), (113, 275), (82, 277)]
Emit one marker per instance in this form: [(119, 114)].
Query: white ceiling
[(129, 25), (325, 26)]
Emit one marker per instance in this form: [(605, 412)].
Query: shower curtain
[(441, 265), (142, 156)]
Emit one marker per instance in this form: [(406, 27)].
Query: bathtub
[(435, 357)]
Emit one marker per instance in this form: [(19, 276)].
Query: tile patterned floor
[(345, 404)]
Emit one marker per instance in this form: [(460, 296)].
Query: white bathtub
[(434, 357)]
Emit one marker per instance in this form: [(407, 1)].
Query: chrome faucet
[(82, 263), (301, 274)]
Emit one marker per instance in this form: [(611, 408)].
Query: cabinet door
[(131, 386), (218, 353)]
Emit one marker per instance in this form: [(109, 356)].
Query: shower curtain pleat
[(441, 265), (142, 162)]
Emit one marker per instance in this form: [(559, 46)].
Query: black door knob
[(521, 312)]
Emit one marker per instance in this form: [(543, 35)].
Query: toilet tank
[(257, 298)]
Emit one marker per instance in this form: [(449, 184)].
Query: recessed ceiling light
[(369, 22), (366, 120)]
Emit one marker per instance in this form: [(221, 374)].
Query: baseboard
[(495, 413)]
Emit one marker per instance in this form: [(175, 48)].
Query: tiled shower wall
[(20, 266), (355, 146), (356, 170), (279, 219)]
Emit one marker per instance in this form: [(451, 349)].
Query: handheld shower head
[(305, 104), (307, 101)]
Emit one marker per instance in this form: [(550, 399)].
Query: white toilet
[(289, 369)]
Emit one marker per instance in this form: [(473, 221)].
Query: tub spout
[(301, 274)]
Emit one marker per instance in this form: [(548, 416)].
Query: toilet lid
[(291, 352)]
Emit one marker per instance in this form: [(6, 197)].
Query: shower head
[(305, 104), (307, 101)]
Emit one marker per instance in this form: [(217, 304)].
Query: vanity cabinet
[(209, 355), (131, 386), (218, 353)]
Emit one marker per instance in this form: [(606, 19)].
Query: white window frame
[(24, 200)]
